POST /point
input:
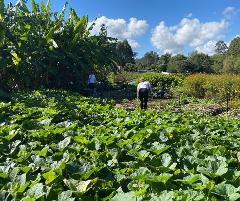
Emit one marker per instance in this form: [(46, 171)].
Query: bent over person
[(143, 90)]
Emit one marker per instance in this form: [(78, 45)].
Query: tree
[(217, 65), (234, 47), (178, 64), (124, 53), (148, 61), (231, 65), (163, 62), (131, 67), (221, 47), (200, 62), (150, 58), (46, 49)]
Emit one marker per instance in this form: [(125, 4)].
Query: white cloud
[(189, 32), (137, 27), (163, 39), (122, 29), (208, 48), (189, 15), (229, 12), (134, 44)]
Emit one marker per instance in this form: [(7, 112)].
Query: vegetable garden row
[(57, 145)]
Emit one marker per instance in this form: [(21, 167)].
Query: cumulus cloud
[(208, 48), (189, 15), (189, 32), (134, 44), (137, 27), (163, 39), (229, 12), (122, 29)]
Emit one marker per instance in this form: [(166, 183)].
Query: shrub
[(194, 85), (220, 87), (120, 78), (157, 80)]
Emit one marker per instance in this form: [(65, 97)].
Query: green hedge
[(157, 80), (212, 86)]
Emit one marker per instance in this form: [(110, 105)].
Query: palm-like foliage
[(43, 48), (1, 19)]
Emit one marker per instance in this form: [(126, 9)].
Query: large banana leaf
[(34, 7), (48, 9), (45, 8), (7, 33), (45, 46), (1, 18), (1, 8)]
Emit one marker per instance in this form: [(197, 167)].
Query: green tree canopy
[(163, 62), (217, 65), (234, 47), (150, 58), (124, 53), (49, 49), (178, 64), (200, 62), (231, 65), (148, 61), (221, 47)]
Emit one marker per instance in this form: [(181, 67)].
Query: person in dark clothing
[(143, 90), (91, 84), (161, 92)]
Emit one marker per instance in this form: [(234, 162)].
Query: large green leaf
[(1, 9), (15, 58), (34, 6), (66, 196), (49, 177), (121, 196), (37, 191), (49, 35), (48, 6), (1, 19), (63, 144), (158, 148), (165, 196), (163, 178), (228, 191), (214, 168), (79, 186)]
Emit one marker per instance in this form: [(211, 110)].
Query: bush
[(220, 87), (157, 80), (194, 85), (120, 78)]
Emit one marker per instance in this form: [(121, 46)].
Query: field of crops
[(60, 146)]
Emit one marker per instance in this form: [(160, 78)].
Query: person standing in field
[(143, 90), (92, 84)]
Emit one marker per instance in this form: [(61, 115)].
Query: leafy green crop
[(60, 146)]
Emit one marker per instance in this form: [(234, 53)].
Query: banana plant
[(48, 49), (1, 19), (1, 8)]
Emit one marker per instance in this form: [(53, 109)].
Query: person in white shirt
[(91, 84), (143, 90)]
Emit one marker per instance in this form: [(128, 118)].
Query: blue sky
[(174, 26)]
